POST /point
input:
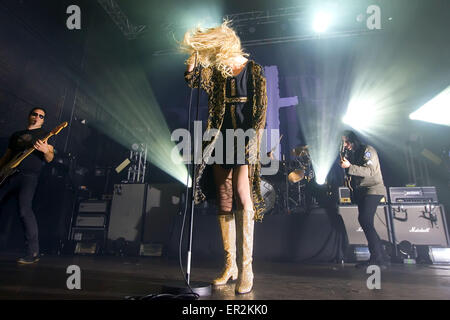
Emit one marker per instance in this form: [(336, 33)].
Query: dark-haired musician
[(24, 181), (363, 166)]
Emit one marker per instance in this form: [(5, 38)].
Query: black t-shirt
[(23, 140)]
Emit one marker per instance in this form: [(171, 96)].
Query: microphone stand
[(185, 287)]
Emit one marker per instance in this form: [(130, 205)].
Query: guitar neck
[(17, 161)]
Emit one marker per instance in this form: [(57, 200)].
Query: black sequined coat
[(214, 84)]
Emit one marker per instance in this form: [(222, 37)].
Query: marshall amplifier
[(356, 234), (411, 195), (420, 224)]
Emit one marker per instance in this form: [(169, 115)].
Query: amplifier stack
[(89, 228), (418, 217), (136, 221), (413, 216)]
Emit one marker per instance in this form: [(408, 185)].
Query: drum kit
[(285, 191)]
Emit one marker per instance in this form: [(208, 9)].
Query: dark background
[(42, 63)]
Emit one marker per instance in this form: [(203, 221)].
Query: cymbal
[(300, 151), (296, 175)]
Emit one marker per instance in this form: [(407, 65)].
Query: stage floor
[(115, 278)]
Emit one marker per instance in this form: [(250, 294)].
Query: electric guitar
[(347, 178), (11, 167)]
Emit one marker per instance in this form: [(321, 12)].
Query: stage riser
[(314, 237)]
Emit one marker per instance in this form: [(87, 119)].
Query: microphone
[(196, 64)]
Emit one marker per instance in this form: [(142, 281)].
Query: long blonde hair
[(215, 47)]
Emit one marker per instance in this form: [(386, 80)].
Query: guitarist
[(24, 182), (363, 168)]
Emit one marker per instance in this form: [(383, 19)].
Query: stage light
[(321, 176), (322, 135), (135, 147), (379, 92), (204, 16), (323, 155), (127, 111), (322, 21), (360, 17), (361, 114), (123, 165), (372, 113), (437, 110)]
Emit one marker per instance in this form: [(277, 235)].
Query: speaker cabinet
[(420, 224), (356, 234), (127, 212), (142, 214)]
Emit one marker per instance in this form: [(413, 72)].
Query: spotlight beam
[(437, 110), (128, 112)]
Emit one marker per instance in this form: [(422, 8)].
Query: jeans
[(367, 207), (25, 185)]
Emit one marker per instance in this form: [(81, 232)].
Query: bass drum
[(269, 194)]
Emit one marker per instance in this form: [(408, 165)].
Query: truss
[(247, 23), (129, 30)]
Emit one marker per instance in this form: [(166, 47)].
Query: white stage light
[(321, 177), (437, 110), (322, 21), (363, 115)]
